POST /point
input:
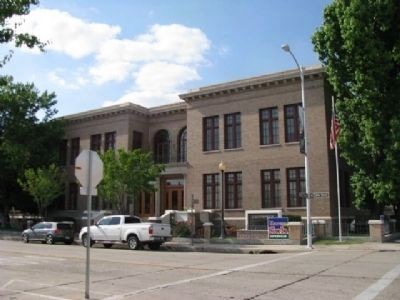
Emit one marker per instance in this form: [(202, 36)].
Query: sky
[(102, 53)]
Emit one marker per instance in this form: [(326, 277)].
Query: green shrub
[(181, 229)]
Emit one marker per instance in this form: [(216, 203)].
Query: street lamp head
[(221, 166), (285, 47)]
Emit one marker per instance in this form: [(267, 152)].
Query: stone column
[(320, 228), (376, 230), (207, 230), (296, 231)]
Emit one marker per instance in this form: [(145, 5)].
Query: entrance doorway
[(173, 194)]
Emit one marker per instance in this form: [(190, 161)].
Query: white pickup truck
[(117, 229)]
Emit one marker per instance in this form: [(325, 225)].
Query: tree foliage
[(44, 185), (8, 29), (126, 173), (29, 137), (359, 43)]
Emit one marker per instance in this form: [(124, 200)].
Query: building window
[(211, 191), (182, 145), (137, 140), (95, 142), (211, 133), (292, 123), (269, 126), (75, 147), (232, 135), (271, 191), (161, 147), (63, 152), (296, 184), (233, 190), (73, 195), (109, 141)]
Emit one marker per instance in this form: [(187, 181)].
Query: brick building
[(252, 125)]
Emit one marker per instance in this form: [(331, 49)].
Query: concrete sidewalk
[(232, 246)]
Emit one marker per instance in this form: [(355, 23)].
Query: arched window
[(182, 149), (161, 146)]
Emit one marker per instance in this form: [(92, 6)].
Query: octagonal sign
[(88, 168)]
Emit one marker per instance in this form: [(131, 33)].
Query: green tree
[(126, 174), (8, 33), (29, 137), (359, 43), (44, 185)]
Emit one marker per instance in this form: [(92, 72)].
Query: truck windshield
[(130, 220)]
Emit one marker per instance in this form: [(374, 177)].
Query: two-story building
[(252, 125)]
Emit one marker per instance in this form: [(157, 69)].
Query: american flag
[(335, 129)]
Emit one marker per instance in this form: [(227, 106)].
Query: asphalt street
[(37, 271)]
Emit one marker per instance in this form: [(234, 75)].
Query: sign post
[(89, 172)]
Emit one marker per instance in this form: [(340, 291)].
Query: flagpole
[(337, 176)]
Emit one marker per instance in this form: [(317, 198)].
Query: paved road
[(36, 271)]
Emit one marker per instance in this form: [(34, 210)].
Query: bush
[(181, 229)]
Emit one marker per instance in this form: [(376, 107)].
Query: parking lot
[(37, 271)]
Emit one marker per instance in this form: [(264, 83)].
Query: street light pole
[(286, 48), (221, 167)]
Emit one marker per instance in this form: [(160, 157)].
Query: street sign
[(320, 194), (86, 160), (314, 195), (89, 172)]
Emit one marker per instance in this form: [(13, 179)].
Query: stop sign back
[(89, 171)]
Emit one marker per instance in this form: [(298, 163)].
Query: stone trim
[(254, 83)]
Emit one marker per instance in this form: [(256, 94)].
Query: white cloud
[(146, 98), (156, 83), (159, 62), (75, 80), (65, 33), (170, 43), (163, 76)]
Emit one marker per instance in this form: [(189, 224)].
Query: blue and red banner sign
[(278, 228)]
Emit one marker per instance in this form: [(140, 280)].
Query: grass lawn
[(345, 240)]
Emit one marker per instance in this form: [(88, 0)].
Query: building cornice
[(254, 83), (126, 108), (168, 109)]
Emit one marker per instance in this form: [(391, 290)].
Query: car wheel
[(25, 238), (154, 246), (84, 241), (133, 242), (107, 245), (49, 240)]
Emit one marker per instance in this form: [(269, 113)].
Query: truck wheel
[(107, 245), (154, 246), (133, 242), (84, 241)]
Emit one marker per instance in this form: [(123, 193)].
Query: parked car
[(120, 229), (50, 232)]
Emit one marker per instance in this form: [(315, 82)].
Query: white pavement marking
[(225, 272), (7, 284), (37, 295), (45, 285), (373, 290)]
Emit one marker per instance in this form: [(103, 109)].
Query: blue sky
[(147, 52)]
